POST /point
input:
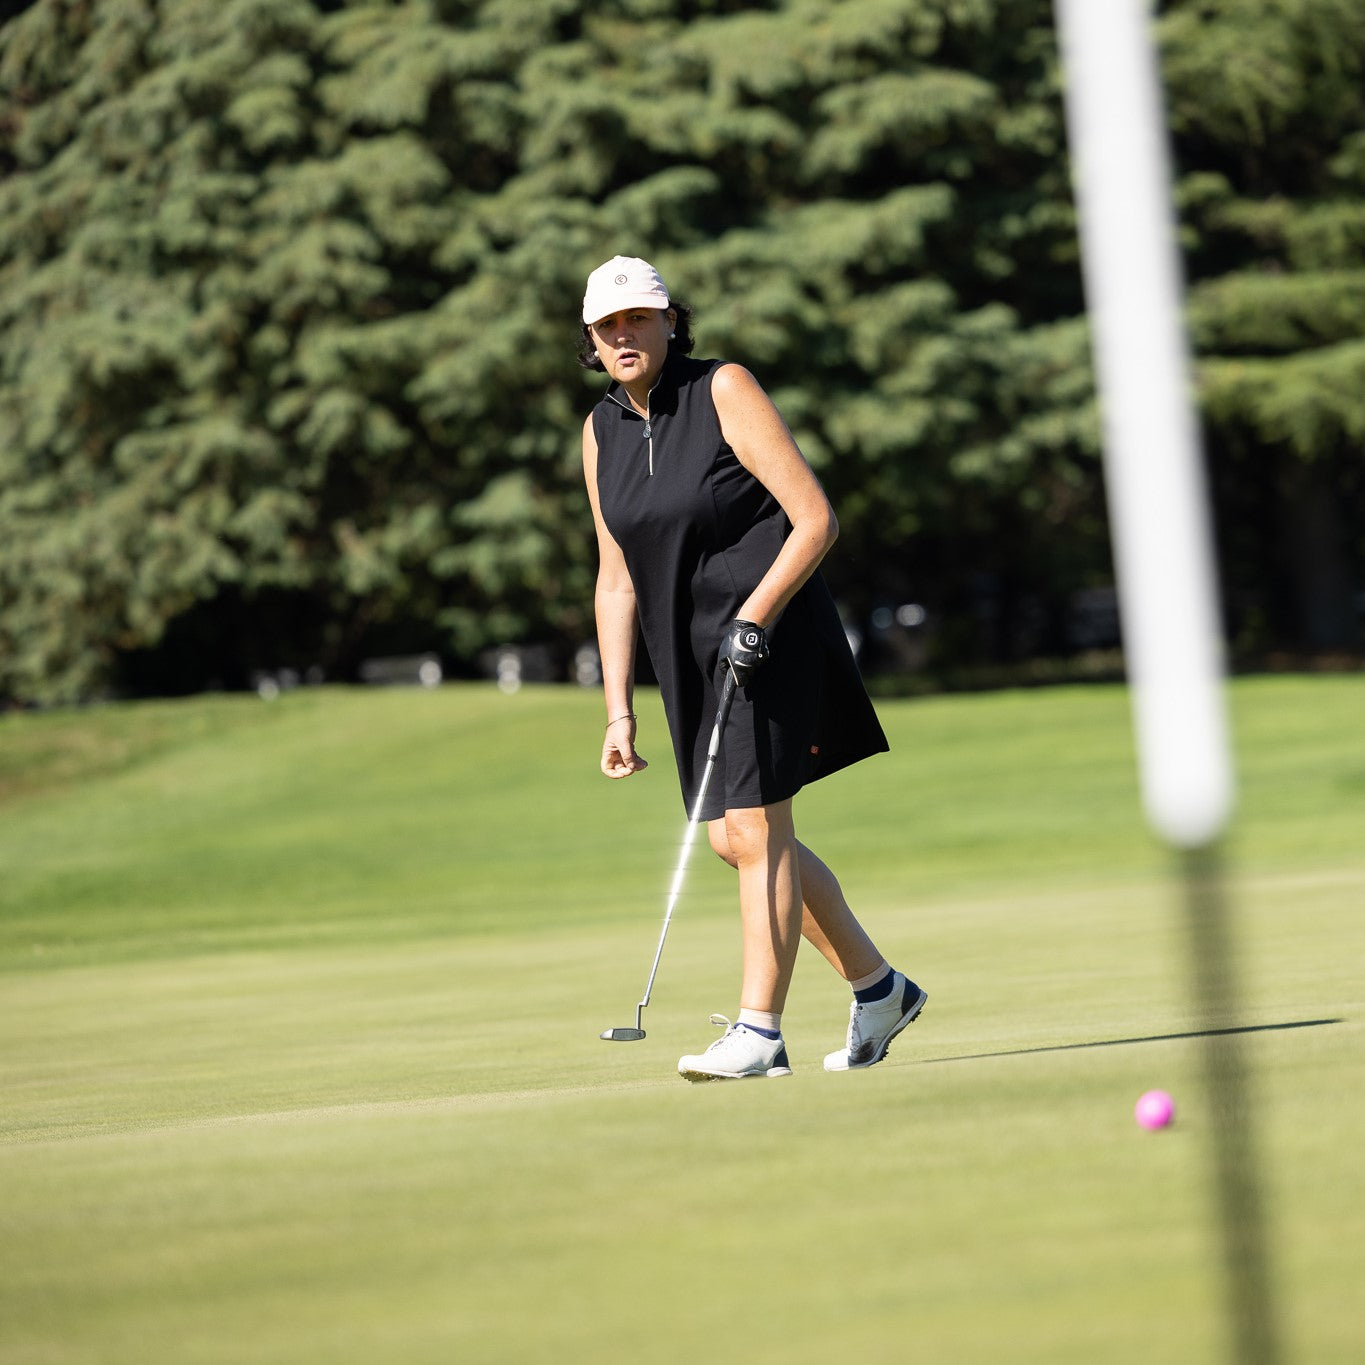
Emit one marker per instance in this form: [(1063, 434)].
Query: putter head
[(622, 1035)]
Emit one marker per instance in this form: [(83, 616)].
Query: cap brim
[(605, 306)]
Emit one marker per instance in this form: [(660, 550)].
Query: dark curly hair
[(680, 344)]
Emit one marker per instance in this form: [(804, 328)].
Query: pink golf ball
[(1154, 1110)]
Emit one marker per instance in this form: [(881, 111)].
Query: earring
[(672, 335)]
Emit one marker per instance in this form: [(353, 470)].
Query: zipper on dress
[(648, 432)]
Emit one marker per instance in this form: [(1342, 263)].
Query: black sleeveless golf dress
[(698, 532)]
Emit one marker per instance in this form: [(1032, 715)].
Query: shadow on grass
[(1127, 1042)]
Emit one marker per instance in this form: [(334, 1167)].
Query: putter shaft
[(727, 696)]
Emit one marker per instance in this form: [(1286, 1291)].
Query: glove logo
[(751, 639)]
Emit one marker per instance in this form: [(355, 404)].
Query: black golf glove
[(744, 649)]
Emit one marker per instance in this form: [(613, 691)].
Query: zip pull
[(649, 436)]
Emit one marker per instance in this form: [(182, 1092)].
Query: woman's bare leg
[(826, 919), (762, 843), (829, 924)]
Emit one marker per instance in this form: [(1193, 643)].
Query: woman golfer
[(710, 530)]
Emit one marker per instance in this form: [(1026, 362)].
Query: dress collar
[(663, 397)]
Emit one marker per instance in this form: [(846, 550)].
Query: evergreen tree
[(1268, 105), (289, 294), (1267, 101)]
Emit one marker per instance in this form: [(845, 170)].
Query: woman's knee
[(754, 832), (720, 842)]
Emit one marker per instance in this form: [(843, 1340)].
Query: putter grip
[(727, 697)]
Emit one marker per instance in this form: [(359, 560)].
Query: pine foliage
[(1268, 104), (289, 289)]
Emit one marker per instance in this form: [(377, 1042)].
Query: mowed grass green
[(299, 1008)]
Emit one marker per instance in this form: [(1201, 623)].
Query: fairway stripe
[(435, 1105)]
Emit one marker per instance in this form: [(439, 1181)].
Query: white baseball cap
[(623, 282)]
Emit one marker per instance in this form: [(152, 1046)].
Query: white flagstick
[(1154, 476), (1163, 549)]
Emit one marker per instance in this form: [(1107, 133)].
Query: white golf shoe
[(736, 1055), (872, 1027)]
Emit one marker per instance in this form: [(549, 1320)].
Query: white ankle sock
[(871, 979), (761, 1019)]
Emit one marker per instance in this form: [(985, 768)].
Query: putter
[(727, 695)]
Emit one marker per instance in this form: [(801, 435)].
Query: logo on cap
[(621, 279)]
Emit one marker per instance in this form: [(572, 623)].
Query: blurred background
[(289, 295)]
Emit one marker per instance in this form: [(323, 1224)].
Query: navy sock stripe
[(771, 1034), (879, 990)]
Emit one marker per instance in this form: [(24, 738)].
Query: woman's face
[(633, 344)]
